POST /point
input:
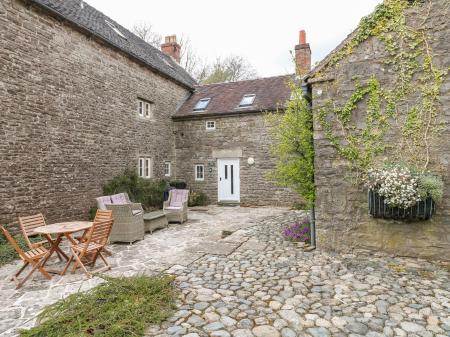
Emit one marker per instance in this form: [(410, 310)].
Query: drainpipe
[(307, 91)]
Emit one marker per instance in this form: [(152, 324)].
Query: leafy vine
[(409, 106)]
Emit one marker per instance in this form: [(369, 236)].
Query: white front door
[(228, 179)]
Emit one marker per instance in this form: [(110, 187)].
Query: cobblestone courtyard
[(253, 283)]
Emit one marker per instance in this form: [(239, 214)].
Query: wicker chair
[(176, 208), (128, 224)]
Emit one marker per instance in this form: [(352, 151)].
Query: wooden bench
[(155, 220)]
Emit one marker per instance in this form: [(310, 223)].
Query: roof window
[(114, 28), (202, 104), (247, 100)]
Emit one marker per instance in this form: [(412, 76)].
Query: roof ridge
[(240, 81)]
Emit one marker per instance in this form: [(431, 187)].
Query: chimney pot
[(302, 39)]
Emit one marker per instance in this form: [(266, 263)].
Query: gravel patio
[(253, 283)]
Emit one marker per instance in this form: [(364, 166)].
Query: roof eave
[(226, 114)]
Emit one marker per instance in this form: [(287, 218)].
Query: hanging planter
[(422, 210), (403, 193)]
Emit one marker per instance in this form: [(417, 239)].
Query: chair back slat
[(28, 224), (101, 229), (13, 243)]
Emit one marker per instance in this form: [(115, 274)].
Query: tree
[(145, 32), (230, 69), (293, 147)]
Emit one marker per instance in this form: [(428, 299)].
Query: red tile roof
[(272, 93)]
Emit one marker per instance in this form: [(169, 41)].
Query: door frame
[(236, 176)]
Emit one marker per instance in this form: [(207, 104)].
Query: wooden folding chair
[(34, 257), (92, 247), (100, 215), (28, 224)]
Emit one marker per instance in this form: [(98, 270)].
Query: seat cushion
[(103, 201), (119, 199), (174, 208)]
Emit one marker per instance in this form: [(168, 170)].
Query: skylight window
[(114, 28), (202, 104), (247, 100)]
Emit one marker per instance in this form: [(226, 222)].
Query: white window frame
[(196, 172), (145, 109), (209, 126), (168, 166), (145, 167)]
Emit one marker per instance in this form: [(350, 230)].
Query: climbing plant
[(408, 105)]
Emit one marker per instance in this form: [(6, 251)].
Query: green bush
[(119, 307), (197, 199), (178, 184), (150, 193), (429, 185)]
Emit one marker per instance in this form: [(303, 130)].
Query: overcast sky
[(262, 31)]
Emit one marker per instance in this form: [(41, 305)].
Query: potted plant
[(403, 193)]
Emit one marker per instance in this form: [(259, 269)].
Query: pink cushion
[(103, 201), (178, 197), (119, 199), (173, 208)]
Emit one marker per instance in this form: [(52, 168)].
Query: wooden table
[(62, 229)]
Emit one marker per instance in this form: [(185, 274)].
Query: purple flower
[(298, 231)]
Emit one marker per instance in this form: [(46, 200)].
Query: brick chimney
[(302, 55), (171, 47)]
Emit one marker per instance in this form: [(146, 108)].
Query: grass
[(119, 307), (7, 252)]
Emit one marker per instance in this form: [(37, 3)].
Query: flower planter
[(422, 210)]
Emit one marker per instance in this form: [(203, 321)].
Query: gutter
[(92, 33), (224, 114)]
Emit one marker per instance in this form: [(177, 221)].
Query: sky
[(262, 31)]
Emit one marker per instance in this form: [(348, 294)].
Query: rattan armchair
[(128, 224), (176, 207)]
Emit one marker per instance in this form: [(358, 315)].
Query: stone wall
[(69, 120), (343, 222), (243, 136)]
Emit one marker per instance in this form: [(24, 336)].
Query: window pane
[(141, 109), (147, 109), (247, 100), (147, 168), (202, 104), (141, 167)]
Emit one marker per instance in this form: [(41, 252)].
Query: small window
[(167, 169), (114, 28), (199, 172), (145, 167), (202, 104), (145, 109), (210, 125), (247, 100)]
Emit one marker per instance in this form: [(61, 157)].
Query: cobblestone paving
[(269, 288), (253, 283)]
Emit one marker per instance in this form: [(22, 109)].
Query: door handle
[(220, 179)]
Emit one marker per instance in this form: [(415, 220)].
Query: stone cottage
[(341, 207), (83, 98)]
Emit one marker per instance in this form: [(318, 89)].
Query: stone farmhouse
[(83, 99)]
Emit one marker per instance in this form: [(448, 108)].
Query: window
[(199, 172), (202, 104), (145, 109), (247, 100), (210, 125), (114, 28), (167, 169), (145, 168)]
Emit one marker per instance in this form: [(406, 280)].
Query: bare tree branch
[(145, 32)]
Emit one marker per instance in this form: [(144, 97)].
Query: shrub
[(150, 193), (430, 186), (298, 231), (197, 199), (178, 184), (119, 307)]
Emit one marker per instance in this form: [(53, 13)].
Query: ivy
[(408, 106)]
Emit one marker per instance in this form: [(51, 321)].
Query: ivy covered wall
[(383, 96)]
